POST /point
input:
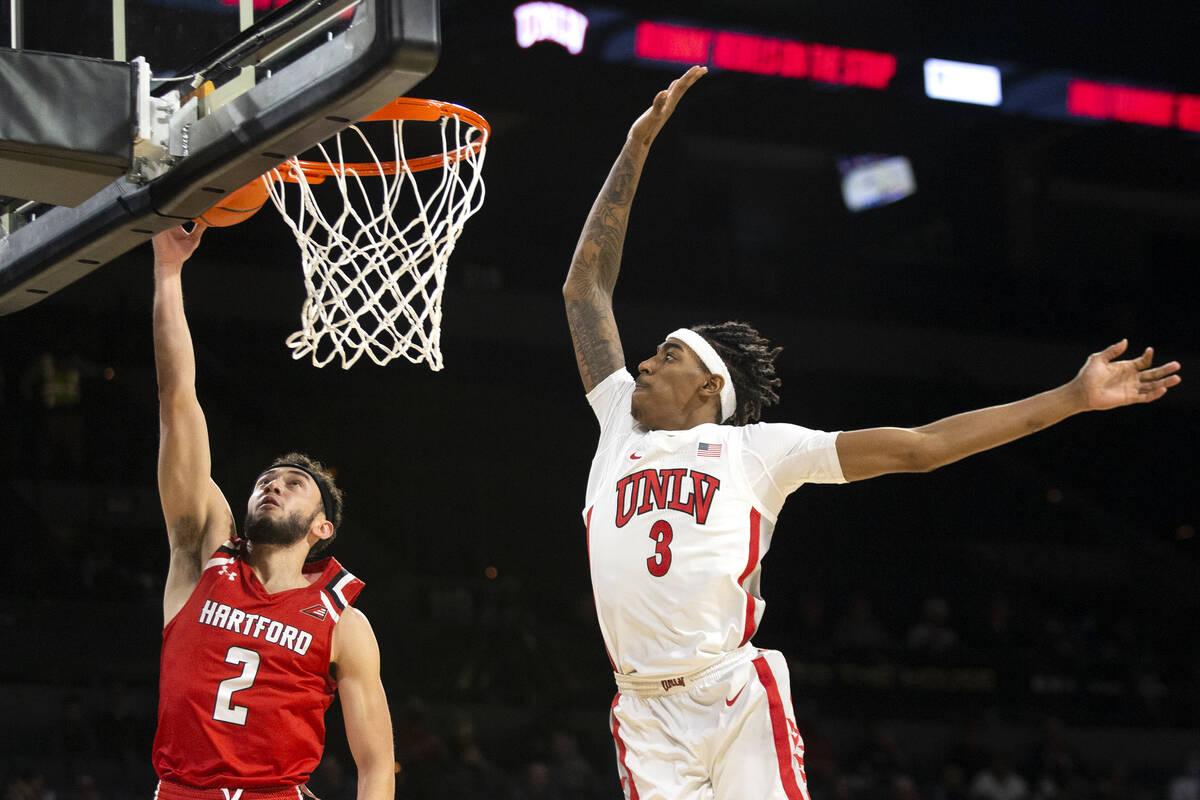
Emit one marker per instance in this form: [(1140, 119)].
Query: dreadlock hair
[(751, 362), (329, 489)]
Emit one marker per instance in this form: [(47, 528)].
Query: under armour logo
[(228, 573)]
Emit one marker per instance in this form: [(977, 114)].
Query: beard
[(286, 531)]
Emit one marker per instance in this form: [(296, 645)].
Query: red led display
[(1189, 112), (1132, 104), (764, 55), (672, 43)]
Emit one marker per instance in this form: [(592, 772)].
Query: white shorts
[(725, 732)]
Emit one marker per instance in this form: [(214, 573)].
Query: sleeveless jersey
[(244, 680), (678, 523)]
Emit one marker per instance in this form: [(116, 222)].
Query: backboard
[(275, 77)]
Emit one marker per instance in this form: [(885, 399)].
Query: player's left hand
[(1108, 383)]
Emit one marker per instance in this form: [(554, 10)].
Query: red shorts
[(168, 790)]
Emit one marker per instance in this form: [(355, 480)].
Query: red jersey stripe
[(611, 663), (779, 731), (751, 562), (626, 775)]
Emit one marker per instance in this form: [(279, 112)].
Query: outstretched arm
[(588, 290), (364, 706), (198, 518), (1102, 383)]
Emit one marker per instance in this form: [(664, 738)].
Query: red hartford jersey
[(244, 681)]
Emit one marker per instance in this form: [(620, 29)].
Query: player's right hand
[(647, 126), (174, 246)]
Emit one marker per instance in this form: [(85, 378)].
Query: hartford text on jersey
[(256, 626)]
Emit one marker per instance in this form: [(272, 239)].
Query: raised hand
[(1108, 383), (647, 126), (175, 245)]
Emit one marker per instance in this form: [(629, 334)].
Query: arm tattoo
[(593, 273), (604, 233), (597, 346)]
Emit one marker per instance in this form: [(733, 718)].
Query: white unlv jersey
[(678, 523)]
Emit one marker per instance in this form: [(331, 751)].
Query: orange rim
[(402, 108)]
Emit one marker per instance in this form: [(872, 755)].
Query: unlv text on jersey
[(649, 489)]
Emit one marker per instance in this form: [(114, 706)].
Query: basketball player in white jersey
[(683, 496)]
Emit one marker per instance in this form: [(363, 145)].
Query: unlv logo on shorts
[(797, 746), (317, 611)]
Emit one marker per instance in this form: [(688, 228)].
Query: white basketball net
[(375, 286)]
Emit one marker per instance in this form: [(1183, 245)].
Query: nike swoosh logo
[(736, 696), (634, 457)]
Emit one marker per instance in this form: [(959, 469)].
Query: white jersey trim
[(340, 585), (329, 607), (217, 562)]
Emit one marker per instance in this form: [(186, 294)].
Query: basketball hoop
[(374, 284)]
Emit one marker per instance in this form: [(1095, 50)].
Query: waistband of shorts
[(169, 790), (658, 685)]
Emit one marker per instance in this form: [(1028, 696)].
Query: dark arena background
[(1035, 607)]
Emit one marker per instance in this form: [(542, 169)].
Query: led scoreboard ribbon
[(1048, 94)]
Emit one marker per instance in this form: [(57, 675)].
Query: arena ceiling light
[(875, 180), (962, 82)]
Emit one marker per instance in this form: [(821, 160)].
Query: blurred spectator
[(1121, 647), (811, 627), (9, 430), (1003, 645), (420, 753), (1044, 788), (472, 776), (1116, 785), (999, 635), (30, 785), (879, 760), (1149, 685), (859, 632), (1055, 759), (953, 784), (932, 636), (1186, 785), (999, 782), (75, 738), (86, 789), (969, 752), (55, 385), (569, 771), (128, 734), (330, 781), (820, 762), (536, 783), (904, 788), (1056, 648)]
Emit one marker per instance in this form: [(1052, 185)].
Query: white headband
[(716, 366)]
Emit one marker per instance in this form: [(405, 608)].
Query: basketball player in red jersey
[(256, 639), (683, 494)]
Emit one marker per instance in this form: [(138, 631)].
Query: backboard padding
[(392, 46)]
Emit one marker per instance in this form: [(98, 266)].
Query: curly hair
[(331, 495), (751, 362)]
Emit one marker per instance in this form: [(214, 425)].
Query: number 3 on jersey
[(225, 710), (660, 562)]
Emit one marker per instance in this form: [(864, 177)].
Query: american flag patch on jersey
[(706, 450), (315, 611)]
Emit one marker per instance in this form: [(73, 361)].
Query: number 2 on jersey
[(225, 710), (660, 562)]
